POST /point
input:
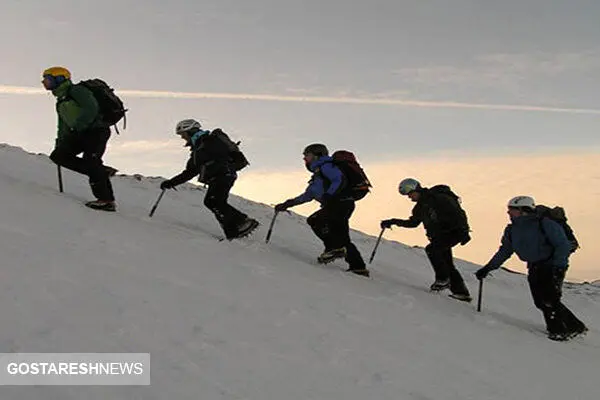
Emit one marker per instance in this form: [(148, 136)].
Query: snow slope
[(246, 320)]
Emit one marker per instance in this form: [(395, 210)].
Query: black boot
[(330, 255), (245, 229), (360, 271), (102, 205)]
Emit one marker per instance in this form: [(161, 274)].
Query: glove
[(283, 206), (465, 239), (167, 185), (388, 223), (483, 272)]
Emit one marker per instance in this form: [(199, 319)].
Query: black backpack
[(238, 159), (358, 184), (112, 109), (558, 215), (461, 215)]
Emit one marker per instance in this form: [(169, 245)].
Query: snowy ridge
[(246, 320)]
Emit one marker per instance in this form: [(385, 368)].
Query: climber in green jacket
[(81, 130)]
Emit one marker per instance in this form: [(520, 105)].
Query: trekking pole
[(60, 181), (157, 201), (376, 245), (479, 297), (271, 227)]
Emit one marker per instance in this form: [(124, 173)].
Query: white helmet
[(187, 125), (408, 185), (522, 201)]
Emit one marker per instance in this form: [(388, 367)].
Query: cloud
[(485, 185), (503, 67), (544, 64), (20, 90), (4, 89), (521, 75)]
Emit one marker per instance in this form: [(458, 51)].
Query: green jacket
[(77, 109)]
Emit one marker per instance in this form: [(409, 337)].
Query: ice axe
[(271, 226), (376, 245), (157, 201), (60, 181), (480, 295)]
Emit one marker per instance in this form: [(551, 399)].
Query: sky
[(499, 99)]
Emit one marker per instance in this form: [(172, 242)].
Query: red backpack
[(358, 183)]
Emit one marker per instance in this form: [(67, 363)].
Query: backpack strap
[(68, 97), (543, 230), (327, 182), (124, 123)]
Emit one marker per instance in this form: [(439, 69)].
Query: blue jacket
[(326, 178), (535, 241)]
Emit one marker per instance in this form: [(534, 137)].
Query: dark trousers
[(92, 144), (331, 225), (216, 201), (545, 283), (439, 252)]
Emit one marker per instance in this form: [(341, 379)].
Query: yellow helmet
[(57, 71)]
